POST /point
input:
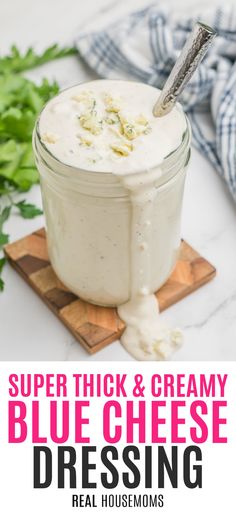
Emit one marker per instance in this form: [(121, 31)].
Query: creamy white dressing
[(145, 337), (79, 136), (62, 132)]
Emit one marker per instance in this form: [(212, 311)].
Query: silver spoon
[(192, 53)]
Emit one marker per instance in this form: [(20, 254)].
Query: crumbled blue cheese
[(112, 119), (123, 127), (131, 129), (113, 104), (122, 148), (50, 138), (86, 98), (91, 121), (84, 140)]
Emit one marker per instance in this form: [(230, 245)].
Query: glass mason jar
[(88, 221)]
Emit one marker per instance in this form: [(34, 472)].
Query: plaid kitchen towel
[(144, 46)]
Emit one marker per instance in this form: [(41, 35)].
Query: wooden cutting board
[(93, 326)]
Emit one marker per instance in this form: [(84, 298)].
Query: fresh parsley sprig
[(25, 210), (2, 263), (17, 62), (21, 100), (28, 211)]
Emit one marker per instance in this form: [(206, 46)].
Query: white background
[(16, 470), (28, 330)]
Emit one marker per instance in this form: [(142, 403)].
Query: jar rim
[(72, 168)]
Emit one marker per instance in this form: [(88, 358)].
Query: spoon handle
[(192, 53)]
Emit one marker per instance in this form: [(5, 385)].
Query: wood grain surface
[(93, 326)]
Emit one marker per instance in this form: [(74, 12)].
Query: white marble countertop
[(28, 330)]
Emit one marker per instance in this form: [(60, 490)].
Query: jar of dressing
[(112, 179)]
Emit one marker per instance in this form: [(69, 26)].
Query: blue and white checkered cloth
[(144, 46)]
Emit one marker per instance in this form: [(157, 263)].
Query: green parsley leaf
[(4, 215), (2, 263), (24, 178), (28, 211), (18, 123), (19, 62), (47, 90), (4, 239)]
